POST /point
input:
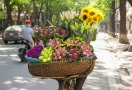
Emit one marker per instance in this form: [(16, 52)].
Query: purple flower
[(95, 57), (35, 51)]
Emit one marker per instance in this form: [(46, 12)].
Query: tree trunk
[(111, 26), (47, 12), (35, 11), (123, 33), (7, 3), (19, 12), (40, 12)]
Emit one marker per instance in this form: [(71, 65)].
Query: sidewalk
[(121, 52)]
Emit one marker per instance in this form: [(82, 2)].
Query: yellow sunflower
[(100, 14), (84, 16), (89, 20), (85, 10), (95, 19), (92, 12)]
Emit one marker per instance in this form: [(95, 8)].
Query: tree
[(19, 6), (111, 24), (8, 12), (123, 33)]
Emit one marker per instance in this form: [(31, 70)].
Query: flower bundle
[(72, 50), (68, 15), (72, 42), (78, 49), (54, 42), (35, 51), (82, 24), (91, 15), (51, 32)]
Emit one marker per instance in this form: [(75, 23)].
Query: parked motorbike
[(25, 46)]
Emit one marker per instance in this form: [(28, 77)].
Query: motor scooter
[(24, 47)]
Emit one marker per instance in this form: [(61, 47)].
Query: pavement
[(121, 52)]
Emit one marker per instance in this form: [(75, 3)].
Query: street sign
[(2, 15)]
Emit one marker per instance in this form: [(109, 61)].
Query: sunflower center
[(92, 14), (94, 19), (85, 11), (85, 17), (89, 20)]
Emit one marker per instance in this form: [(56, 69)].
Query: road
[(14, 74)]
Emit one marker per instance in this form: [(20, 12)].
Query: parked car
[(12, 33)]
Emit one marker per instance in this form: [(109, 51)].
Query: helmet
[(27, 22)]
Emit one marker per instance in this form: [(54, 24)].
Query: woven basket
[(61, 68)]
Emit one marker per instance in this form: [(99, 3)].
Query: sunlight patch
[(3, 55), (7, 82), (6, 48), (13, 55), (21, 81), (18, 77), (14, 88)]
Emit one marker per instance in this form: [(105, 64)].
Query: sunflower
[(93, 12), (84, 16), (100, 13), (85, 10), (95, 19), (89, 20)]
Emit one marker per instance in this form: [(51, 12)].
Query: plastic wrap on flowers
[(61, 32), (45, 38), (32, 60), (87, 36), (60, 36)]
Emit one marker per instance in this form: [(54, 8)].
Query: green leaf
[(94, 35)]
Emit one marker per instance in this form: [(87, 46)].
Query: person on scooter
[(28, 33)]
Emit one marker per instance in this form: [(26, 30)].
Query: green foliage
[(23, 4), (94, 35), (57, 6)]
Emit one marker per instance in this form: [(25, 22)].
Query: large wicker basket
[(61, 68)]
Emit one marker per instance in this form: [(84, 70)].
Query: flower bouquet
[(83, 24), (50, 32), (73, 54), (33, 54)]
